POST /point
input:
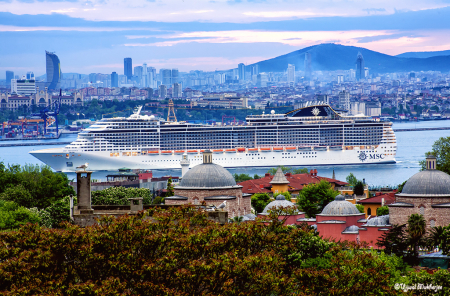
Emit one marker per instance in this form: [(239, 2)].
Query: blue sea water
[(412, 147)]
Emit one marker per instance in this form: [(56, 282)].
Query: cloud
[(374, 10)]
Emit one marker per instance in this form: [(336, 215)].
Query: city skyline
[(220, 36)]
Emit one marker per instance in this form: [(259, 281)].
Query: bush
[(120, 196), (358, 189), (384, 210), (360, 208), (260, 201), (12, 216)]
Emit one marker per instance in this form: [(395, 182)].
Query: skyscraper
[(174, 76), (114, 79), (138, 72), (344, 100), (177, 90), (360, 73), (9, 76), (128, 68), (30, 76), (166, 76), (308, 70), (151, 72), (255, 69), (241, 70), (291, 73), (53, 70), (162, 91), (144, 80)]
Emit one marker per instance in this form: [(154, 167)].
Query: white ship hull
[(63, 161)]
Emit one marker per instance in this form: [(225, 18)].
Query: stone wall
[(441, 216), (235, 207)]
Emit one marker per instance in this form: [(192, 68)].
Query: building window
[(432, 223), (422, 210), (369, 212)]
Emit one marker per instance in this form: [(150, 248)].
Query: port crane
[(46, 112)]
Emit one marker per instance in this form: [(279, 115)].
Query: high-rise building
[(166, 76), (308, 70), (344, 100), (255, 69), (114, 79), (53, 70), (412, 75), (30, 76), (241, 71), (340, 78), (138, 71), (151, 77), (144, 80), (291, 73), (162, 91), (360, 69), (128, 68), (23, 86), (261, 80), (174, 76), (9, 76), (177, 90)]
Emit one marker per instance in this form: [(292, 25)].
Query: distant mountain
[(424, 54), (333, 57)]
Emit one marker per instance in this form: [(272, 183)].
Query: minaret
[(185, 162), (207, 157), (431, 162)]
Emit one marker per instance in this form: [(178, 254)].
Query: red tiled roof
[(296, 183), (377, 199)]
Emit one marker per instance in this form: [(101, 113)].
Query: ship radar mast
[(137, 111), (172, 117)]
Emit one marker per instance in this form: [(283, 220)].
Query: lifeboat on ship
[(217, 150), (241, 150), (265, 149), (230, 150), (153, 152), (335, 148), (179, 151), (304, 148), (252, 149), (166, 152), (291, 148), (277, 149), (321, 148), (192, 151)]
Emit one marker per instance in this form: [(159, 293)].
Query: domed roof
[(340, 207), (280, 201), (207, 175), (378, 221), (429, 183)]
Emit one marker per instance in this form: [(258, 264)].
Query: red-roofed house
[(380, 199)]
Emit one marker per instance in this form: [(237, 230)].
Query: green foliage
[(286, 170), (384, 210), (256, 177), (59, 211), (241, 177), (416, 230), (12, 216), (260, 201), (441, 150), (440, 278), (169, 188), (351, 179), (287, 195), (400, 187), (358, 189), (314, 197), (158, 200), (360, 208), (120, 195), (32, 185), (439, 237), (179, 252)]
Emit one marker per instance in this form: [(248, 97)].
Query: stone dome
[(378, 221), (428, 183), (207, 175), (280, 201), (340, 207)]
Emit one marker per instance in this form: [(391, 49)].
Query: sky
[(94, 36)]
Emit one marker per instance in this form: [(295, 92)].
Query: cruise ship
[(309, 136)]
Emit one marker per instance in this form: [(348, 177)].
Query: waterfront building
[(426, 193), (211, 184), (291, 74), (241, 71), (128, 68), (23, 86), (53, 67), (308, 70), (9, 76), (360, 69), (114, 79)]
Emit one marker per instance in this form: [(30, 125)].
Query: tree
[(169, 188), (400, 187), (314, 197), (384, 210), (12, 216), (439, 237), (286, 194), (358, 188), (256, 176), (120, 195), (300, 171), (360, 208), (241, 177), (394, 241), (351, 179), (286, 170), (260, 201), (441, 150), (416, 230)]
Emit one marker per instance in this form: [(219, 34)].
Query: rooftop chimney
[(207, 156), (431, 162)]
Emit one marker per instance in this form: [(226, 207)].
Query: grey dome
[(207, 175), (429, 183), (280, 201), (351, 229), (378, 221), (340, 207)]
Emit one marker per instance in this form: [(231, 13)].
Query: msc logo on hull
[(363, 156)]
